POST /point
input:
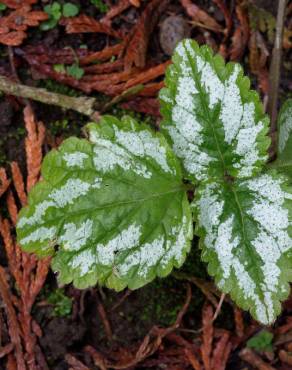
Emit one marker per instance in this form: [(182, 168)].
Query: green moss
[(59, 88)]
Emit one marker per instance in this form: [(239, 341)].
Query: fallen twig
[(83, 105)]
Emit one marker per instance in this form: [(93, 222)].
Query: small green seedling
[(62, 304), (261, 342), (74, 70), (100, 5), (116, 204), (2, 7), (55, 11)]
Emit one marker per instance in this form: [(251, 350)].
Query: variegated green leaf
[(111, 210), (284, 152), (245, 230), (214, 121)]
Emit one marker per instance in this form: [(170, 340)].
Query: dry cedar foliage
[(13, 26), (28, 273), (179, 353), (125, 359), (249, 356), (16, 4), (86, 24), (117, 9), (138, 39)]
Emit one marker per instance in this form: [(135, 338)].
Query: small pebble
[(173, 29)]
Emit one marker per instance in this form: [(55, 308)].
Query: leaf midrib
[(91, 210), (246, 243), (206, 110)]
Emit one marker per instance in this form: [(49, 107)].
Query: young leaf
[(284, 153), (245, 230), (214, 121), (70, 10), (75, 71), (114, 207), (263, 341)]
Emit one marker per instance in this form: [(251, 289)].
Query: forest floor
[(117, 52)]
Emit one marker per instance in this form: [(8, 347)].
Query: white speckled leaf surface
[(284, 153), (111, 210), (245, 230), (213, 120)]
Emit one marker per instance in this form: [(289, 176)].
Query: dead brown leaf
[(199, 15)]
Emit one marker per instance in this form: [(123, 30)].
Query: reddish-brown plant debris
[(103, 55), (241, 35), (138, 39), (16, 4), (143, 105), (258, 57), (13, 26), (28, 272), (200, 16), (4, 182), (86, 24), (150, 344), (115, 10), (249, 356), (227, 16)]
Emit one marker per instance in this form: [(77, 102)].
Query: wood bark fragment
[(83, 105), (274, 74)]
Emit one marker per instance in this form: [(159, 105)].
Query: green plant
[(55, 11), (114, 209), (101, 6), (262, 341), (62, 304), (74, 70), (2, 7)]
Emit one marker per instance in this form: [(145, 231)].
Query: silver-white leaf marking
[(285, 128), (241, 129), (126, 239), (84, 261), (143, 144), (75, 159), (40, 211), (72, 190), (75, 237), (271, 220), (108, 155), (39, 235)]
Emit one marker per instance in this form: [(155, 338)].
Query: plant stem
[(274, 74), (83, 105)]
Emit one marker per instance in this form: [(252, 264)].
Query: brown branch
[(274, 74), (83, 105)]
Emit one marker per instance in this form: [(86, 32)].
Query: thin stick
[(83, 105), (274, 74), (218, 308)]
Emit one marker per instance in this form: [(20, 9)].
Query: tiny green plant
[(73, 70), (61, 303), (100, 5), (263, 341), (113, 208), (2, 6), (55, 11)]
